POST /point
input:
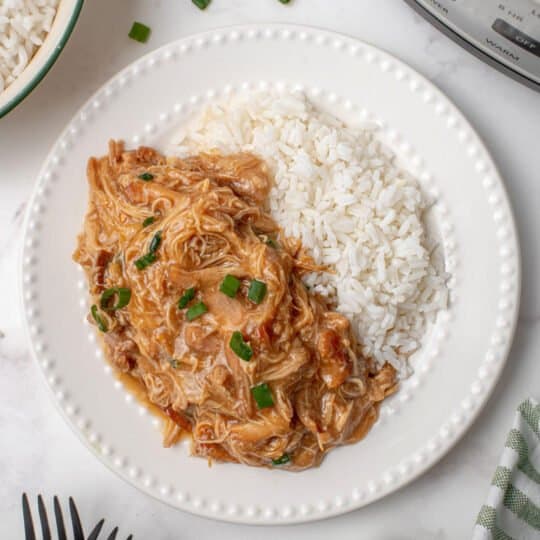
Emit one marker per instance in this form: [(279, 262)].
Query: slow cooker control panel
[(506, 30)]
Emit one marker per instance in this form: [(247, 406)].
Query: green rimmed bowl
[(64, 22)]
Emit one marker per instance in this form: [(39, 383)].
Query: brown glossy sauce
[(138, 391)]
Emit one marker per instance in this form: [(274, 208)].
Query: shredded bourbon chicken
[(275, 380)]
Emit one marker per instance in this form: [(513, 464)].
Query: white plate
[(463, 355)]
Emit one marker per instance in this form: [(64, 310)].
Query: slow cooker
[(504, 33)]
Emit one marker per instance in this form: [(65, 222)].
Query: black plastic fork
[(76, 524)]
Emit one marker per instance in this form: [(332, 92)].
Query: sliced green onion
[(139, 32), (262, 396), (284, 1), (148, 221), (196, 311), (285, 458), (123, 294), (257, 291), (230, 285), (146, 260), (201, 4), (240, 347), (146, 176), (186, 298), (272, 243), (174, 363), (100, 322), (155, 242)]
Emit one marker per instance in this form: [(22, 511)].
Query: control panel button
[(517, 37)]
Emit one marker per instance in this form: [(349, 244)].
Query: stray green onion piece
[(148, 221), (155, 242), (146, 260), (146, 176), (196, 311), (201, 4), (285, 458), (272, 243), (123, 294), (174, 363), (139, 32), (262, 396), (257, 291), (100, 322), (186, 298), (240, 347), (230, 285)]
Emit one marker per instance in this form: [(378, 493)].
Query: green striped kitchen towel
[(512, 509)]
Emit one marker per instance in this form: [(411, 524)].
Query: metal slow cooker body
[(503, 33)]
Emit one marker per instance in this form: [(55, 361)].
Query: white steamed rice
[(24, 24), (340, 191)]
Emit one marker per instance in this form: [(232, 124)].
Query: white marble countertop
[(38, 453)]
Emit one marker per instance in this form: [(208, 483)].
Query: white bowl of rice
[(32, 35)]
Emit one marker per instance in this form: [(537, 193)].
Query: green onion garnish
[(139, 32), (272, 243), (148, 221), (285, 458), (146, 176), (230, 285), (174, 363), (262, 396), (100, 322), (201, 4), (240, 347), (123, 294), (257, 291), (155, 242), (146, 260), (196, 311), (186, 298)]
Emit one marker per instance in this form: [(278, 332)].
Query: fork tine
[(76, 521), (130, 537), (27, 516), (97, 529), (112, 536), (45, 530), (60, 527)]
